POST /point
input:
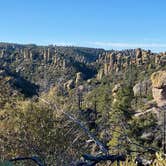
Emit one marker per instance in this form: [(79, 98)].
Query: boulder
[(159, 87), (115, 91), (158, 79), (141, 88)]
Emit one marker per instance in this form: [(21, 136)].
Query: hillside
[(119, 96), (46, 66)]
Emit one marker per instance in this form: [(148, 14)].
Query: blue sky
[(108, 24)]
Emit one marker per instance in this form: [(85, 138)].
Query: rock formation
[(159, 87), (69, 85), (46, 54), (106, 69), (141, 88), (160, 59), (79, 78), (138, 56), (112, 57), (2, 53), (100, 74), (114, 92), (163, 59), (121, 60), (146, 57)]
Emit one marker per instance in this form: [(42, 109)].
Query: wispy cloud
[(128, 45), (156, 46)]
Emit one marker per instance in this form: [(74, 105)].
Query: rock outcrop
[(69, 85), (141, 88), (138, 56), (100, 74), (115, 91), (79, 78), (117, 61), (146, 57), (159, 87), (160, 59)]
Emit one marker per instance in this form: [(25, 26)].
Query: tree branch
[(35, 159), (80, 124)]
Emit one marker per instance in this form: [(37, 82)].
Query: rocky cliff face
[(121, 60), (141, 89), (159, 87), (49, 65)]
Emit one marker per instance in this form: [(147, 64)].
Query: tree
[(119, 116)]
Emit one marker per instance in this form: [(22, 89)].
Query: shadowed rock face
[(138, 53), (159, 87), (18, 83)]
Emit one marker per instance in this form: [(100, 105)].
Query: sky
[(108, 24)]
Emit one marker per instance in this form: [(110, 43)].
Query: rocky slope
[(115, 94), (16, 85), (121, 60), (48, 65)]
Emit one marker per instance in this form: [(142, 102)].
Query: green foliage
[(119, 115), (114, 142), (143, 123), (34, 128), (122, 104), (129, 162), (29, 126), (5, 163)]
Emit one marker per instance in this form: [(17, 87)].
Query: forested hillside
[(59, 103)]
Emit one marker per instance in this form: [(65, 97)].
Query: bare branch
[(80, 124), (35, 159)]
